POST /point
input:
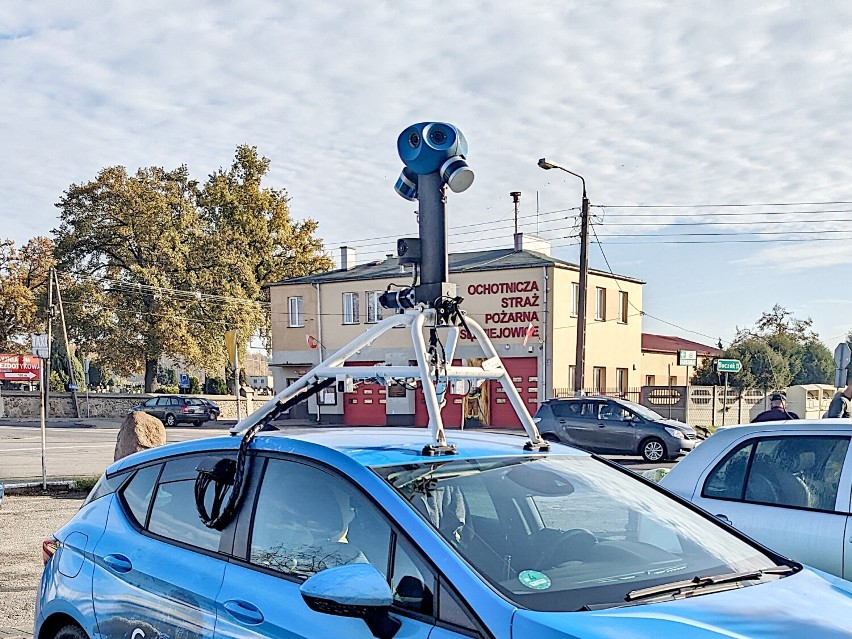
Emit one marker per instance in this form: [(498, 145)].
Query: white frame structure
[(416, 320)]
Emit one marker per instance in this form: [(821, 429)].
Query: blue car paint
[(808, 603)]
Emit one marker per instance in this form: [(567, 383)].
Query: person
[(841, 404), (777, 410)]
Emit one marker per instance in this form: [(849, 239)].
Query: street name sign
[(728, 365)]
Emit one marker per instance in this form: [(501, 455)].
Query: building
[(525, 300), (660, 359)]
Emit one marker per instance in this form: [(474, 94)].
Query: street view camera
[(434, 158)]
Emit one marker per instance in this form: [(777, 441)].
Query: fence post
[(713, 409)]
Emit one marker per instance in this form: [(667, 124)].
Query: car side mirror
[(354, 590)]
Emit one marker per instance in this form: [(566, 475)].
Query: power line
[(698, 206)]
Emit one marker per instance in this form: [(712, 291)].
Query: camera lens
[(414, 139), (437, 136)]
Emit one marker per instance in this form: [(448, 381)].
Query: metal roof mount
[(435, 372)]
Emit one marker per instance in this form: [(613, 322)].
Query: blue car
[(361, 533)]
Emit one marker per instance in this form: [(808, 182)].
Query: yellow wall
[(503, 301)]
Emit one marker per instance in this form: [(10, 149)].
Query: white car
[(786, 484)]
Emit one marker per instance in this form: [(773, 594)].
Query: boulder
[(139, 431)]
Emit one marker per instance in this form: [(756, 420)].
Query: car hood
[(807, 604)]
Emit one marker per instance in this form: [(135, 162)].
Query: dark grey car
[(173, 409), (615, 426)]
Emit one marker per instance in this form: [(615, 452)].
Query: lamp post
[(580, 362)]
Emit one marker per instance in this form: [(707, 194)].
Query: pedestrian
[(841, 404), (777, 411)]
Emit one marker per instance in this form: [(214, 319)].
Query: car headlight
[(674, 432)]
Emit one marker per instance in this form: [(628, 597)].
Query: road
[(85, 452)]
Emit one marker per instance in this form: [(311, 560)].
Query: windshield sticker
[(534, 579)]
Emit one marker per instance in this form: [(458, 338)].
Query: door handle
[(244, 611), (119, 563), (723, 518)]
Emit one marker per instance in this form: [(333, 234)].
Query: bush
[(194, 385), (215, 386), (168, 390)]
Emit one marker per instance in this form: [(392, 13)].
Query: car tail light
[(49, 547)]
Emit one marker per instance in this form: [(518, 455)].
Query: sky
[(713, 137)]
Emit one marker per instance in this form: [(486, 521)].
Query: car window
[(151, 402), (614, 412), (796, 471), (162, 401), (567, 409), (307, 520), (174, 514), (137, 492), (412, 581), (590, 410)]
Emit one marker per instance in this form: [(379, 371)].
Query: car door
[(157, 569), (579, 422), (616, 429), (306, 520), (160, 408), (789, 492)]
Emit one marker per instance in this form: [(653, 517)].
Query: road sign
[(687, 358), (41, 347), (184, 380), (842, 357), (19, 368), (728, 365)]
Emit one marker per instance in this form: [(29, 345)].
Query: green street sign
[(728, 365)]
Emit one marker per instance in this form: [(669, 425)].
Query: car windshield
[(560, 533)]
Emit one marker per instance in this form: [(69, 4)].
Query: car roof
[(368, 446)]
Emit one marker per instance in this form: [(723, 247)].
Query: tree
[(24, 275), (255, 242), (163, 268)]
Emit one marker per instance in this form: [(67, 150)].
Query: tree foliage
[(779, 351), (160, 266), (24, 275)]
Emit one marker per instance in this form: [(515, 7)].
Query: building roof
[(491, 260), (672, 344)]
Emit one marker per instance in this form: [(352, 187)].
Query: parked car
[(213, 410), (357, 533), (787, 484), (173, 410), (615, 426)]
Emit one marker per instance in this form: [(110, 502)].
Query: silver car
[(615, 426)]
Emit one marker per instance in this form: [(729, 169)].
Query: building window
[(622, 307), (599, 377), (621, 381), (374, 309), (351, 312), (575, 299), (650, 380), (295, 306), (600, 304)]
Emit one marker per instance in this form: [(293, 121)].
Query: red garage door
[(524, 373), (451, 413), (367, 406)]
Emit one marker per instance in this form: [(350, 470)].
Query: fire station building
[(526, 300)]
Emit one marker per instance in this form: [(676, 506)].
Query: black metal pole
[(580, 362), (432, 214)]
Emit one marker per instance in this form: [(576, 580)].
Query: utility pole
[(580, 362), (46, 394), (72, 385)]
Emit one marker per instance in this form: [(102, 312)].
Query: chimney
[(529, 242), (347, 258)]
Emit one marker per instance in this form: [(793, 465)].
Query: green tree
[(23, 289), (215, 386), (255, 242)]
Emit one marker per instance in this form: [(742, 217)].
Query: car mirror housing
[(354, 590)]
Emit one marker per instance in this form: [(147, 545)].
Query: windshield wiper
[(690, 585)]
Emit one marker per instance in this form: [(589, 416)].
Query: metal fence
[(632, 394)]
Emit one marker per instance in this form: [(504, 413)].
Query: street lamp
[(580, 362)]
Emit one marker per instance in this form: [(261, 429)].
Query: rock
[(139, 431)]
